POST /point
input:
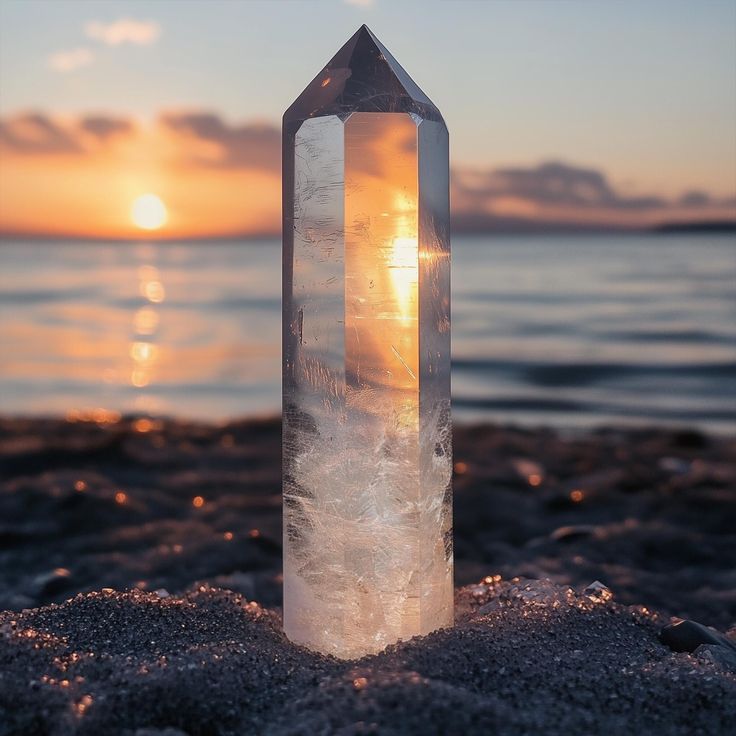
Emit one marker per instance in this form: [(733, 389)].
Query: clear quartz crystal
[(366, 358)]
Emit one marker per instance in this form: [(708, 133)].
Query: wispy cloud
[(554, 184), (36, 133), (104, 127), (117, 33), (39, 134), (556, 191), (68, 61), (248, 146), (124, 30)]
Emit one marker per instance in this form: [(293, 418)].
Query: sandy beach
[(140, 566)]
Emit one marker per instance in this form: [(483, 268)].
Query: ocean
[(571, 332)]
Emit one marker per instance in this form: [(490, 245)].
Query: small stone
[(540, 593), (162, 593), (674, 465), (52, 582), (492, 605), (598, 592), (569, 533), (687, 636), (690, 438)]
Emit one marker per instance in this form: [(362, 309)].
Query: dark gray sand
[(173, 509)]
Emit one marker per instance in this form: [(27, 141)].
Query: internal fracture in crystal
[(366, 358)]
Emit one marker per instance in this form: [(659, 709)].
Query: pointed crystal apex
[(362, 76)]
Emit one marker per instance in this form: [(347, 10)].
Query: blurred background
[(593, 154)]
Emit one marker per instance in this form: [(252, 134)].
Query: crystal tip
[(363, 76)]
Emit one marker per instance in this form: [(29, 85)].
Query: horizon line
[(528, 227)]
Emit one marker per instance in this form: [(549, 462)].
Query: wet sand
[(176, 511)]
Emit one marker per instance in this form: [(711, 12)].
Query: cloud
[(556, 192), (551, 184), (104, 127), (36, 133), (698, 198), (361, 3), (68, 61), (124, 30), (247, 146), (197, 139)]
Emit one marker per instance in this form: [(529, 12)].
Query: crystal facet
[(366, 358)]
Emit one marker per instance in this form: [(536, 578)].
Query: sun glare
[(148, 212)]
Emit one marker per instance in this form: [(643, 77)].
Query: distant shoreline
[(504, 228), (716, 226)]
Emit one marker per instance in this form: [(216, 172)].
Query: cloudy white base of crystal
[(367, 433), (367, 529)]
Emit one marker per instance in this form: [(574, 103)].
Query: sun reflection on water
[(142, 350)]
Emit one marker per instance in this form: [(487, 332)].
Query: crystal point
[(366, 358), (362, 76)]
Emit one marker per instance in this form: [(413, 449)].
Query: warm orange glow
[(142, 351), (198, 502), (148, 212), (144, 425), (576, 496), (139, 378), (404, 271), (146, 321), (92, 195), (120, 497), (382, 253), (98, 415)]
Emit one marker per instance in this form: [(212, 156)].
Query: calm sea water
[(574, 331)]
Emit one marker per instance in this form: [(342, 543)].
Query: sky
[(560, 112)]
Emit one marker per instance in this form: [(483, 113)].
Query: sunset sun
[(148, 212)]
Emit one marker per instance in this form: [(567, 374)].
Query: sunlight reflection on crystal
[(404, 269)]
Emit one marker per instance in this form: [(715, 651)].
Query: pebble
[(569, 533), (687, 636), (52, 582), (598, 592)]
